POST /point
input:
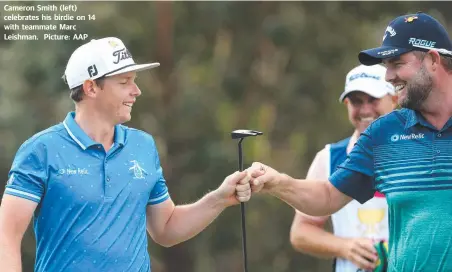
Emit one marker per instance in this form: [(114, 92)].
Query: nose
[(367, 108), (136, 91)]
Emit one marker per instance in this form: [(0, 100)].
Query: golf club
[(242, 134)]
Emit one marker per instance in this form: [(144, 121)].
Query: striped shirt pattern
[(407, 159)]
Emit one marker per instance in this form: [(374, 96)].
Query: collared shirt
[(92, 204), (407, 159)]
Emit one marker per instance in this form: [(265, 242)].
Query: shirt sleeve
[(354, 177), (28, 174), (160, 191)]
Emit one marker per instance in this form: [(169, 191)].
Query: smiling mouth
[(367, 119), (128, 104), (399, 88)]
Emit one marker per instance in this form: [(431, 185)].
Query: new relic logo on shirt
[(412, 136), (73, 171)]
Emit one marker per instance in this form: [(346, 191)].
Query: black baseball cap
[(406, 33)]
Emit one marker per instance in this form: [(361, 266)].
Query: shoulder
[(341, 143), (399, 116), (43, 138)]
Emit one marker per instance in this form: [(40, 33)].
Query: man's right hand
[(361, 252), (263, 177)]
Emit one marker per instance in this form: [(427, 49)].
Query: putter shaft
[(242, 209)]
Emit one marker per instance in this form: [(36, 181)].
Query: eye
[(356, 102)]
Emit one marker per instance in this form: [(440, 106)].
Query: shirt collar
[(82, 139), (119, 135), (414, 117)]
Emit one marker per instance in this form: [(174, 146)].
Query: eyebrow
[(392, 60), (127, 77)]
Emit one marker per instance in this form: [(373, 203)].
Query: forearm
[(187, 221), (10, 257), (316, 241), (310, 197)]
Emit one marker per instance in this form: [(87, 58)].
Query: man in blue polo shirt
[(94, 186), (405, 154)]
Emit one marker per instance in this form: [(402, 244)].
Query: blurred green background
[(278, 67)]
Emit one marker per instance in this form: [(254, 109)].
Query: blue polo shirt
[(92, 204), (406, 158)]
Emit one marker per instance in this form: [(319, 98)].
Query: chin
[(124, 118)]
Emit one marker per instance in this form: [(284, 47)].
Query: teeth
[(368, 119), (399, 87), (127, 104)]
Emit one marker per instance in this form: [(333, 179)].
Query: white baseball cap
[(98, 58), (369, 80)]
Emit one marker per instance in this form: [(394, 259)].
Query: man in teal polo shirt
[(95, 186), (405, 154)]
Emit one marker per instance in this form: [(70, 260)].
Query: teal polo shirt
[(91, 213), (410, 161)]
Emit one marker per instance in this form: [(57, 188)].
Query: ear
[(90, 88), (346, 101), (435, 60)]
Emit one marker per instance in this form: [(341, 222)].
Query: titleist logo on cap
[(120, 55)]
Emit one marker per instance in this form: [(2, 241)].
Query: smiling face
[(411, 80), (116, 98), (363, 109)]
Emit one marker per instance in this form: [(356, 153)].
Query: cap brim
[(134, 68), (376, 55)]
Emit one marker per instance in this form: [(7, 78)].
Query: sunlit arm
[(316, 198), (169, 225), (15, 216)]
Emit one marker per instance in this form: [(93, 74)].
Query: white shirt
[(368, 220)]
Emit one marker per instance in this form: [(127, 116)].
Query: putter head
[(243, 133)]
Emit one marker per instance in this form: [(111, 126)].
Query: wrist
[(216, 201), (340, 248), (279, 180)]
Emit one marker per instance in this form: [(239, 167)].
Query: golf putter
[(242, 134)]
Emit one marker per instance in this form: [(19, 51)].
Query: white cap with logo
[(369, 80), (98, 58)]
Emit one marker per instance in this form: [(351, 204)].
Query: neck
[(438, 109), (95, 126)]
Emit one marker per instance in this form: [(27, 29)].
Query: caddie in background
[(357, 227), (94, 186)]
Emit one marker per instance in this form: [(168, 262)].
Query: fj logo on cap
[(92, 71)]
